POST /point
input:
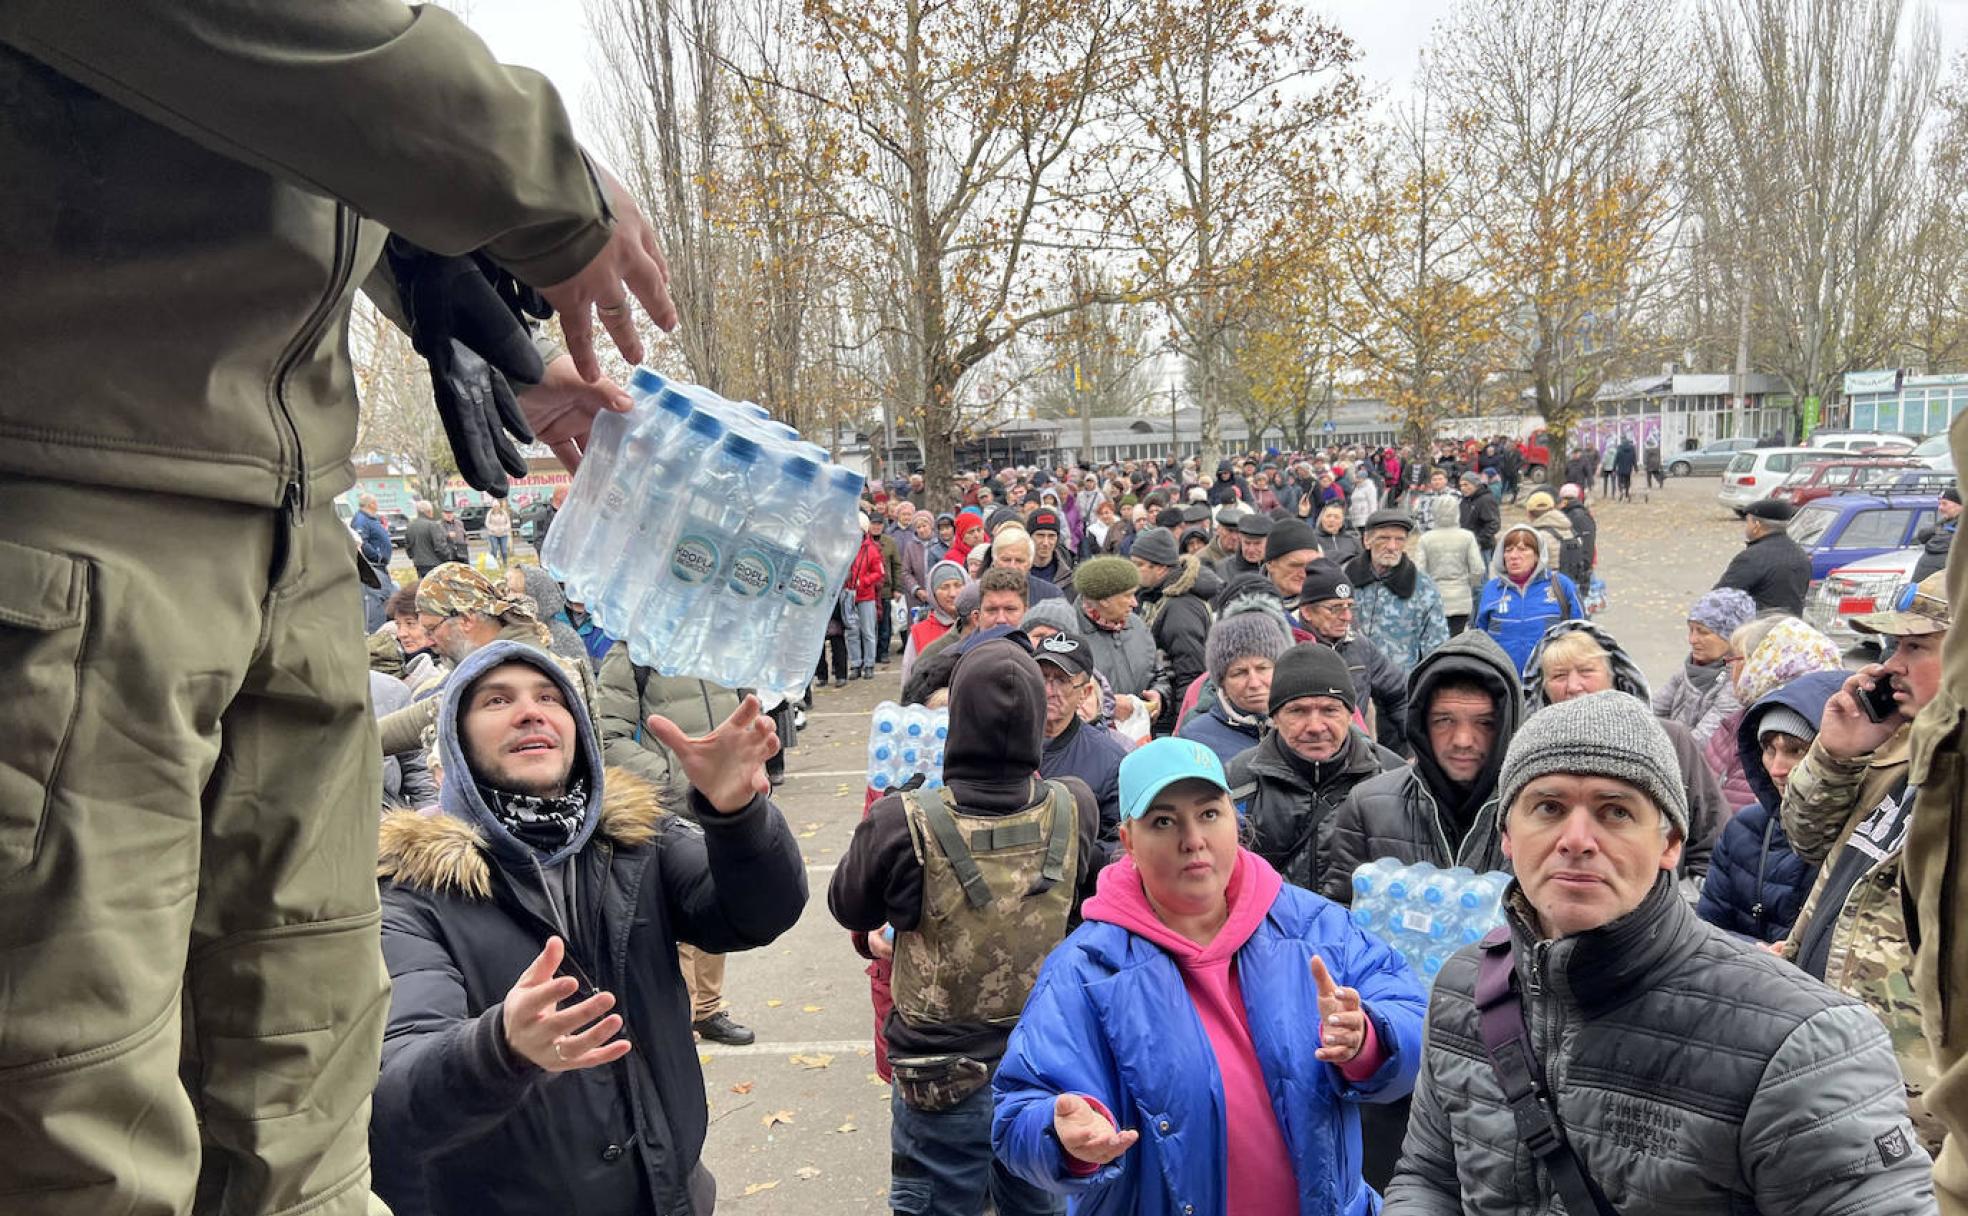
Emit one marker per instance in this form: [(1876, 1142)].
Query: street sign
[(1330, 427)]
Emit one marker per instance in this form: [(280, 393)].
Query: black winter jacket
[(1398, 814), (1290, 822), (462, 1126), (1376, 680), (1479, 513), (1179, 613), (1773, 570), (1756, 882)]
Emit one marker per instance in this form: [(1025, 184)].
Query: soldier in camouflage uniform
[(461, 611), (977, 882), (1848, 809)]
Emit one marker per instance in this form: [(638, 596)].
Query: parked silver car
[(1708, 460), (1871, 584)]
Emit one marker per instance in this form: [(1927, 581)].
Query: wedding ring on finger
[(560, 1052), (612, 310)]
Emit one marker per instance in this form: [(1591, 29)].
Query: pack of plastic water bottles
[(904, 740), (709, 537), (1424, 913)]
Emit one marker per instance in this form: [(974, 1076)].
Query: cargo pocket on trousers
[(44, 599)]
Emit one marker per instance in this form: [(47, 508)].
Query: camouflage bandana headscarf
[(455, 589)]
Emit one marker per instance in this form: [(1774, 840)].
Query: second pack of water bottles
[(709, 537), (1426, 913), (904, 741)]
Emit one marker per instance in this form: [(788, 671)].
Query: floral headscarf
[(1791, 649)]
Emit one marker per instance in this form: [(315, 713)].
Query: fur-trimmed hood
[(1192, 576), (444, 855)]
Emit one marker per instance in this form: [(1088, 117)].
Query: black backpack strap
[(1506, 1037)]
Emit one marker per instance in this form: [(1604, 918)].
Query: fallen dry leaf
[(774, 1004), (807, 1172), (777, 1117), (811, 1008), (813, 1061), (847, 1128), (756, 1187), (743, 1087)]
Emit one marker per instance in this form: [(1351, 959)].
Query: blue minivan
[(1846, 528)]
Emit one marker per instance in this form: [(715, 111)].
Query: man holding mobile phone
[(1847, 808)]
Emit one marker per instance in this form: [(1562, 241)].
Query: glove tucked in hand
[(467, 319)]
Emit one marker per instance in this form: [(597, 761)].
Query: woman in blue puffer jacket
[(1199, 1043), (1525, 595), (1756, 885)]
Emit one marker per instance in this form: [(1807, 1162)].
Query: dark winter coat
[(1211, 726), (1290, 822), (1400, 813), (1756, 881), (461, 1125), (1934, 545), (1586, 529), (1179, 615), (1479, 513), (1773, 570), (425, 544), (1376, 682), (1093, 754)]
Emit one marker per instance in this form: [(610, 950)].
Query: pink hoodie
[(1259, 1166)]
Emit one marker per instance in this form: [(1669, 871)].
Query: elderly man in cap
[(1074, 747), (1395, 605), (1228, 541), (1848, 809), (1253, 532), (1772, 568), (1608, 1047), (1289, 786), (461, 611), (1323, 613), (1478, 511)]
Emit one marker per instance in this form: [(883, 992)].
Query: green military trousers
[(192, 992)]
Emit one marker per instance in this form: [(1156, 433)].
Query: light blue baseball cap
[(1154, 766)]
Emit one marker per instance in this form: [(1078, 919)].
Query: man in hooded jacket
[(1464, 704), (940, 1161), (538, 1054)]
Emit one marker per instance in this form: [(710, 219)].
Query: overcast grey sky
[(552, 37)]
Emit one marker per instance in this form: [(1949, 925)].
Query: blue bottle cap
[(848, 481), (642, 380), (673, 400), (705, 425), (799, 468), (739, 448)]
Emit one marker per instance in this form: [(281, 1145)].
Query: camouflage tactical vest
[(996, 894)]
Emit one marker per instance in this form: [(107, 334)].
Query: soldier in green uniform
[(192, 193), (1848, 809)]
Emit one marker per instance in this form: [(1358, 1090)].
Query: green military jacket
[(622, 706), (1825, 803), (192, 195)]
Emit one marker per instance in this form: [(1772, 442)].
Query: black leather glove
[(467, 319)]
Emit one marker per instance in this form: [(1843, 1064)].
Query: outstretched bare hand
[(726, 766)]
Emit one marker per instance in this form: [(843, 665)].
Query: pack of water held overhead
[(708, 536)]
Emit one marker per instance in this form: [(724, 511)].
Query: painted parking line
[(809, 1047), (793, 775)]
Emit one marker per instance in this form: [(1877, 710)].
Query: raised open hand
[(630, 264), (551, 1037), (726, 766)]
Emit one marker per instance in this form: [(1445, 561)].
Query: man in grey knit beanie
[(1606, 734)]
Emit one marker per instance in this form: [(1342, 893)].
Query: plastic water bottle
[(749, 612), (806, 595), (596, 545), (596, 478), (624, 557), (671, 621), (1371, 878)]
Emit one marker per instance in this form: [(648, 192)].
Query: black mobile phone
[(1879, 704)]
